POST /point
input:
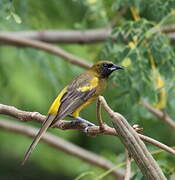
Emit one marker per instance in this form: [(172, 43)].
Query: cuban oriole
[(82, 91)]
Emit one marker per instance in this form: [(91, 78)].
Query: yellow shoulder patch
[(92, 84), (56, 104)]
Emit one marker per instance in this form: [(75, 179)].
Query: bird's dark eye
[(110, 65), (105, 65)]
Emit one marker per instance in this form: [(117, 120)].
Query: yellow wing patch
[(56, 104), (92, 84)]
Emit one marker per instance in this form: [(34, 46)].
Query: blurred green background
[(30, 79)]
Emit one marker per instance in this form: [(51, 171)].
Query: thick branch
[(134, 145), (159, 114), (77, 36), (63, 36), (61, 144), (172, 36), (12, 40), (64, 124), (165, 29)]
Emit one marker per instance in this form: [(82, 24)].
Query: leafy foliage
[(149, 63)]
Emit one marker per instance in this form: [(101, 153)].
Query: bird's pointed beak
[(115, 67)]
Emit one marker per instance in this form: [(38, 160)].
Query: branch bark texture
[(134, 145), (128, 166)]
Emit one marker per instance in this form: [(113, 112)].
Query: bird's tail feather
[(43, 129)]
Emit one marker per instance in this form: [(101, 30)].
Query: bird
[(79, 93)]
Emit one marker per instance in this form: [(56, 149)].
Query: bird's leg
[(84, 121), (81, 120)]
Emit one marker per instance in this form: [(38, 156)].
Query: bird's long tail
[(37, 138)]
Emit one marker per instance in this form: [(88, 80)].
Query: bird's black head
[(104, 68)]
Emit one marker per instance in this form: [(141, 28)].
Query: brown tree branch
[(63, 36), (12, 40), (165, 29), (159, 114), (128, 166), (62, 145), (134, 145), (77, 36), (64, 125), (98, 114), (172, 36)]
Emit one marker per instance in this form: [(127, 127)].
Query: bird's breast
[(102, 83)]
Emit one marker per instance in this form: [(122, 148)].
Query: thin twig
[(61, 144), (64, 125), (159, 114), (98, 113), (22, 42), (128, 165)]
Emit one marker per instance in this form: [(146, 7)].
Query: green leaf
[(16, 18), (8, 17)]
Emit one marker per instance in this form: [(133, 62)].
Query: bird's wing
[(77, 94), (69, 105)]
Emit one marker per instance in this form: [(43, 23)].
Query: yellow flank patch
[(77, 111), (92, 84), (56, 104)]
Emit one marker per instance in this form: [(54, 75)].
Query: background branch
[(159, 114), (172, 36), (62, 145), (77, 36), (22, 42), (128, 166), (63, 36), (168, 29)]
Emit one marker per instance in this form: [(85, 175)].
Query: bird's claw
[(85, 130)]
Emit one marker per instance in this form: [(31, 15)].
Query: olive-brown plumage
[(82, 91)]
